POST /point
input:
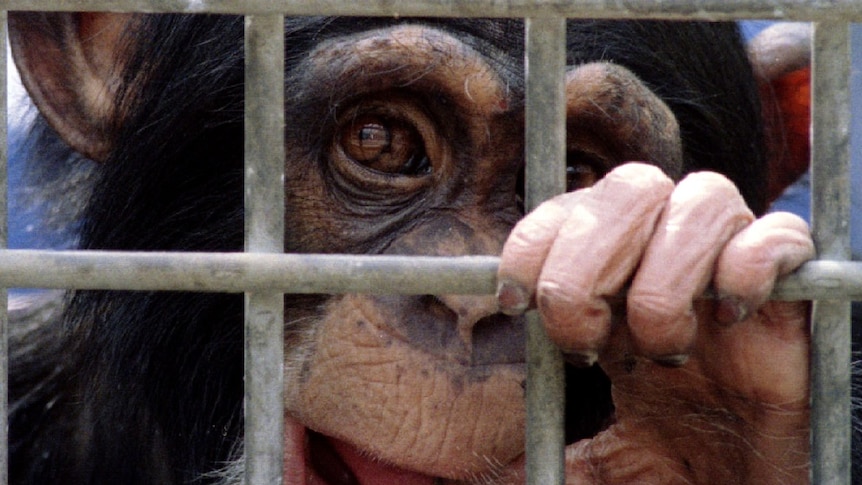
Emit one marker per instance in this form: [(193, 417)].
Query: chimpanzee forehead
[(499, 41), (406, 56), (505, 34)]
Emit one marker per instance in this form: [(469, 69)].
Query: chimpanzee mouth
[(326, 462), (497, 341), (589, 405), (589, 410), (338, 463)]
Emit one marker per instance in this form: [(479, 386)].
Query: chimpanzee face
[(405, 137), (409, 140)]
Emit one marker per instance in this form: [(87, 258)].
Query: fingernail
[(730, 310), (582, 358), (672, 360), (512, 298)]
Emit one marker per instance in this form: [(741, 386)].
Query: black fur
[(146, 388)]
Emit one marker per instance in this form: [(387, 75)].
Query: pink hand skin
[(706, 391)]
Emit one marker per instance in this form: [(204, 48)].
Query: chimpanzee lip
[(330, 465)]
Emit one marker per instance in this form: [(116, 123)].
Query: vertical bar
[(264, 229), (545, 178), (830, 205), (4, 320)]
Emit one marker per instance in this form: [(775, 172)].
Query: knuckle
[(642, 177), (575, 321), (542, 223), (524, 237), (651, 308), (663, 327), (553, 304), (706, 187), (710, 180), (710, 200), (552, 294)]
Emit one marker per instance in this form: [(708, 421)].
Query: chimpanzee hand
[(706, 391)]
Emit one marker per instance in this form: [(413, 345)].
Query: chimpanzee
[(405, 136)]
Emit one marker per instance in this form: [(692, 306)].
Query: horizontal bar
[(839, 10), (325, 273), (241, 272)]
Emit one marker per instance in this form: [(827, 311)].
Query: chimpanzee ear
[(70, 65), (781, 56)]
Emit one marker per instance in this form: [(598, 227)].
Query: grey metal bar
[(545, 146), (830, 348), (838, 10), (264, 233), (326, 274), (239, 272), (4, 316)]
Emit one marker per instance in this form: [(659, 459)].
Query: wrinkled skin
[(696, 400)]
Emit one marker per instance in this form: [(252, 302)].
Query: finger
[(525, 252), (595, 253), (754, 259), (704, 212)]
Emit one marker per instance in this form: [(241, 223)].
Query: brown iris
[(385, 145)]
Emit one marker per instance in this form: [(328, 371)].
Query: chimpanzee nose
[(469, 310), (467, 330), (490, 336)]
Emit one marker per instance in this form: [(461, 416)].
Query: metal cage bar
[(830, 343), (326, 273), (545, 150), (264, 233), (4, 316), (838, 10)]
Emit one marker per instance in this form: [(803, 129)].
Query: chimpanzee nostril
[(463, 329), (494, 338), (499, 339)]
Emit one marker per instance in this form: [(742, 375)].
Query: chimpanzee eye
[(368, 141), (582, 171), (384, 145), (579, 177)]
